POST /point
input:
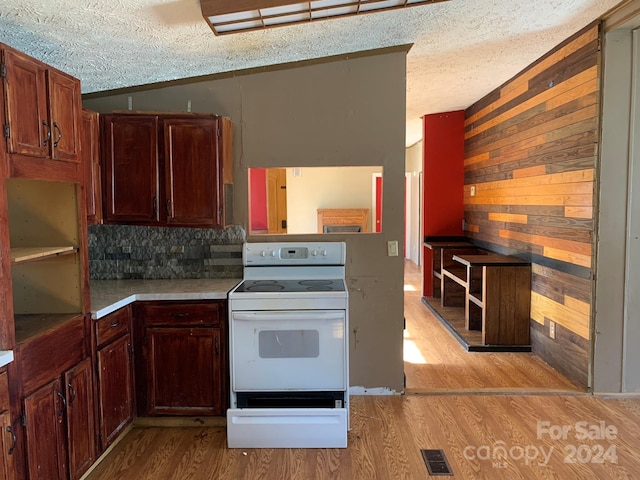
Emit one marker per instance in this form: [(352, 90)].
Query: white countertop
[(109, 295), (6, 357)]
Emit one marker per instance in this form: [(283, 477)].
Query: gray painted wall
[(347, 111), (617, 316)]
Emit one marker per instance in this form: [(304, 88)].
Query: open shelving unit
[(45, 255)]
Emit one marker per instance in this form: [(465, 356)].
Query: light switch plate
[(392, 248)]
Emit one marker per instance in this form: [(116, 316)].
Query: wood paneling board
[(530, 152), (503, 171), (529, 171), (572, 88), (574, 320), (537, 110), (584, 117), (513, 87), (541, 210), (568, 353), (576, 234), (569, 147), (579, 212)]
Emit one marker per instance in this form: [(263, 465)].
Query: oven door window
[(289, 350), (289, 343)]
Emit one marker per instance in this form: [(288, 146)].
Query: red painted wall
[(443, 181), (443, 173), (258, 199)]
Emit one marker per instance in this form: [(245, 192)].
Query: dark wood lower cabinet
[(59, 425), (44, 422), (7, 445), (8, 438), (115, 386), (183, 365), (81, 435)]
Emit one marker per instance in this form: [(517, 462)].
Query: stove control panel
[(294, 253)]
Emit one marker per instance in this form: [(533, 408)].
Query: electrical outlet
[(392, 248), (473, 191), (552, 329)]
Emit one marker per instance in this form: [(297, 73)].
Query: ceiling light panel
[(230, 16)]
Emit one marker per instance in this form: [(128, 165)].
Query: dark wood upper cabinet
[(91, 164), (64, 115), (42, 109), (193, 183), (164, 169), (131, 187)]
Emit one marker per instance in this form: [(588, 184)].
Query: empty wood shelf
[(434, 252), (28, 254), (495, 291), (32, 325)]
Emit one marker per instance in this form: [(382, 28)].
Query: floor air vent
[(436, 462)]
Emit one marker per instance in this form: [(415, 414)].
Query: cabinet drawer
[(170, 313), (112, 326), (44, 357), (4, 392)]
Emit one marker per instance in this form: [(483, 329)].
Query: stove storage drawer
[(182, 313), (288, 350)]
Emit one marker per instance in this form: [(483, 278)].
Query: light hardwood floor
[(472, 406), (435, 362), (387, 433)]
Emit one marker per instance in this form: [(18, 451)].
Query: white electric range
[(289, 347)]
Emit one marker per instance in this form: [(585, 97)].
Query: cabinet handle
[(217, 346), (155, 206), (72, 393), (64, 403), (168, 207), (181, 315), (14, 440), (57, 128), (115, 324), (46, 141)]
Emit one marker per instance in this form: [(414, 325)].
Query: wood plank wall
[(530, 152)]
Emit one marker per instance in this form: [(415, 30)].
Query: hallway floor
[(435, 362)]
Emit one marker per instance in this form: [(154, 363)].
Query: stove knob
[(273, 253), (314, 253), (324, 253), (263, 253)]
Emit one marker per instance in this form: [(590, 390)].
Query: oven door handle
[(315, 315)]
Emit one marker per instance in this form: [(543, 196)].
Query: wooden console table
[(440, 250), (496, 293)]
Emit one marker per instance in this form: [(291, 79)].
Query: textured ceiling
[(462, 49)]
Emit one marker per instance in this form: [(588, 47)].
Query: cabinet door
[(131, 186), (7, 445), (115, 371), (80, 418), (91, 166), (65, 105), (26, 106), (184, 371), (193, 182), (46, 446)]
